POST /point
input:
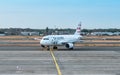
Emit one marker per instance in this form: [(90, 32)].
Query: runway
[(80, 61)]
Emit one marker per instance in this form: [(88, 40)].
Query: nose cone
[(41, 42), (44, 42)]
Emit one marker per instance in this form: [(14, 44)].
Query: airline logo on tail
[(78, 30)]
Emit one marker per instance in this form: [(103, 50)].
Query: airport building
[(30, 33), (105, 33)]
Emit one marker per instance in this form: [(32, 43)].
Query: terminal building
[(30, 33), (105, 33)]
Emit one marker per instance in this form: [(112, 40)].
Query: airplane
[(58, 40)]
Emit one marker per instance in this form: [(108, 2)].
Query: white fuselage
[(59, 39)]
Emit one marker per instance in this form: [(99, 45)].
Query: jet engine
[(69, 45)]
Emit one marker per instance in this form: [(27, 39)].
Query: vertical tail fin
[(78, 30)]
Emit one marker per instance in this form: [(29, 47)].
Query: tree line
[(47, 31)]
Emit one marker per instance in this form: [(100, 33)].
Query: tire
[(55, 47)]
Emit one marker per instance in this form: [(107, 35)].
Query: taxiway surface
[(80, 61)]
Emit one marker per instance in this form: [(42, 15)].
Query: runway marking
[(55, 62)]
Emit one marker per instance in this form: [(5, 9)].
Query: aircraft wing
[(65, 42), (70, 41)]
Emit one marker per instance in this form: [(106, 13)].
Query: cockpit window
[(45, 38)]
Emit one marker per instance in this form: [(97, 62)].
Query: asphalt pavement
[(80, 61)]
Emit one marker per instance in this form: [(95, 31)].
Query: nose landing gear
[(55, 47), (48, 47), (45, 47)]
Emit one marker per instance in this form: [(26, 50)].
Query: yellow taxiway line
[(55, 62)]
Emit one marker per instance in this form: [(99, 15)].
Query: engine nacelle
[(69, 45)]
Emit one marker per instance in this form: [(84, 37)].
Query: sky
[(39, 14)]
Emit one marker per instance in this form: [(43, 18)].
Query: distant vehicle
[(57, 40)]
